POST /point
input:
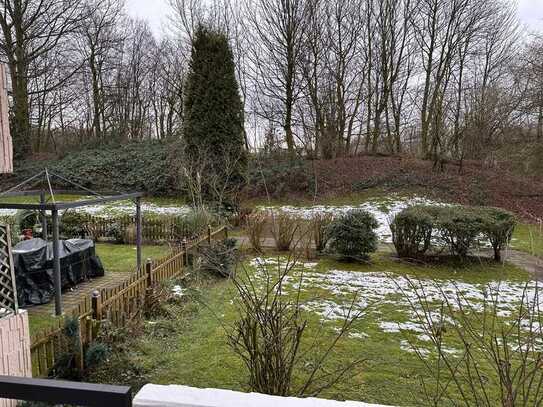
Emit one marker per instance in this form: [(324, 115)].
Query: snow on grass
[(123, 208), (120, 208), (383, 210), (178, 291), (370, 294)]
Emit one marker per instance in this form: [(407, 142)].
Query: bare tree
[(30, 30), (99, 43), (277, 29)]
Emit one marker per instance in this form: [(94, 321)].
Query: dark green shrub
[(96, 354), (352, 236), (115, 231), (412, 232), (498, 227), (278, 174), (73, 224), (136, 166)]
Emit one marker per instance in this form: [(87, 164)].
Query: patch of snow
[(110, 210), (406, 347), (383, 211), (394, 327), (178, 291), (8, 212), (403, 292), (358, 335)]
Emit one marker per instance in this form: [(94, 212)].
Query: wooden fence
[(115, 306), (163, 228)]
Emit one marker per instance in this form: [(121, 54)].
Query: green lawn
[(161, 201), (116, 257), (528, 238), (190, 348)]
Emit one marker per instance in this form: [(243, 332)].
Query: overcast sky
[(156, 11)]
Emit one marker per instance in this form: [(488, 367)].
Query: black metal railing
[(63, 392)]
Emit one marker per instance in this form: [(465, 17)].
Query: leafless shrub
[(156, 302), (240, 216), (319, 223), (254, 226), (218, 258), (284, 228), (270, 331), (500, 362)]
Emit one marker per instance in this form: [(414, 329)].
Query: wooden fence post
[(208, 234), (80, 359), (149, 272), (225, 232), (96, 301), (184, 257)]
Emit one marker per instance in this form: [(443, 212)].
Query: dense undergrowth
[(153, 167), (132, 167)]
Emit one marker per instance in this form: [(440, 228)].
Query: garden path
[(72, 297), (528, 262)]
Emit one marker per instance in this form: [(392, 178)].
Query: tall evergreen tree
[(213, 125)]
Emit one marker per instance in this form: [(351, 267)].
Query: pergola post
[(43, 216), (56, 264), (138, 233)]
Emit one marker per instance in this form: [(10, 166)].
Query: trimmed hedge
[(416, 229), (352, 236), (412, 232)]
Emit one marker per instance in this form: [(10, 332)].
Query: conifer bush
[(213, 132), (352, 236)]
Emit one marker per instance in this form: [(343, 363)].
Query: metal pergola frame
[(54, 207)]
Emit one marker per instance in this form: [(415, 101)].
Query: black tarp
[(34, 273)]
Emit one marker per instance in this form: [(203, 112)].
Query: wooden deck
[(72, 297)]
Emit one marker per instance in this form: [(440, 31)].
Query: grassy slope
[(193, 350)]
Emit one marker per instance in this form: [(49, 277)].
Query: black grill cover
[(33, 261)]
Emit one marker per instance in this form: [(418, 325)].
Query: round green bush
[(458, 227), (352, 236), (73, 224)]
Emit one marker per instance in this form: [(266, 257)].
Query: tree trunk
[(22, 146)]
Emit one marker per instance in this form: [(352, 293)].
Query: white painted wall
[(152, 395)]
